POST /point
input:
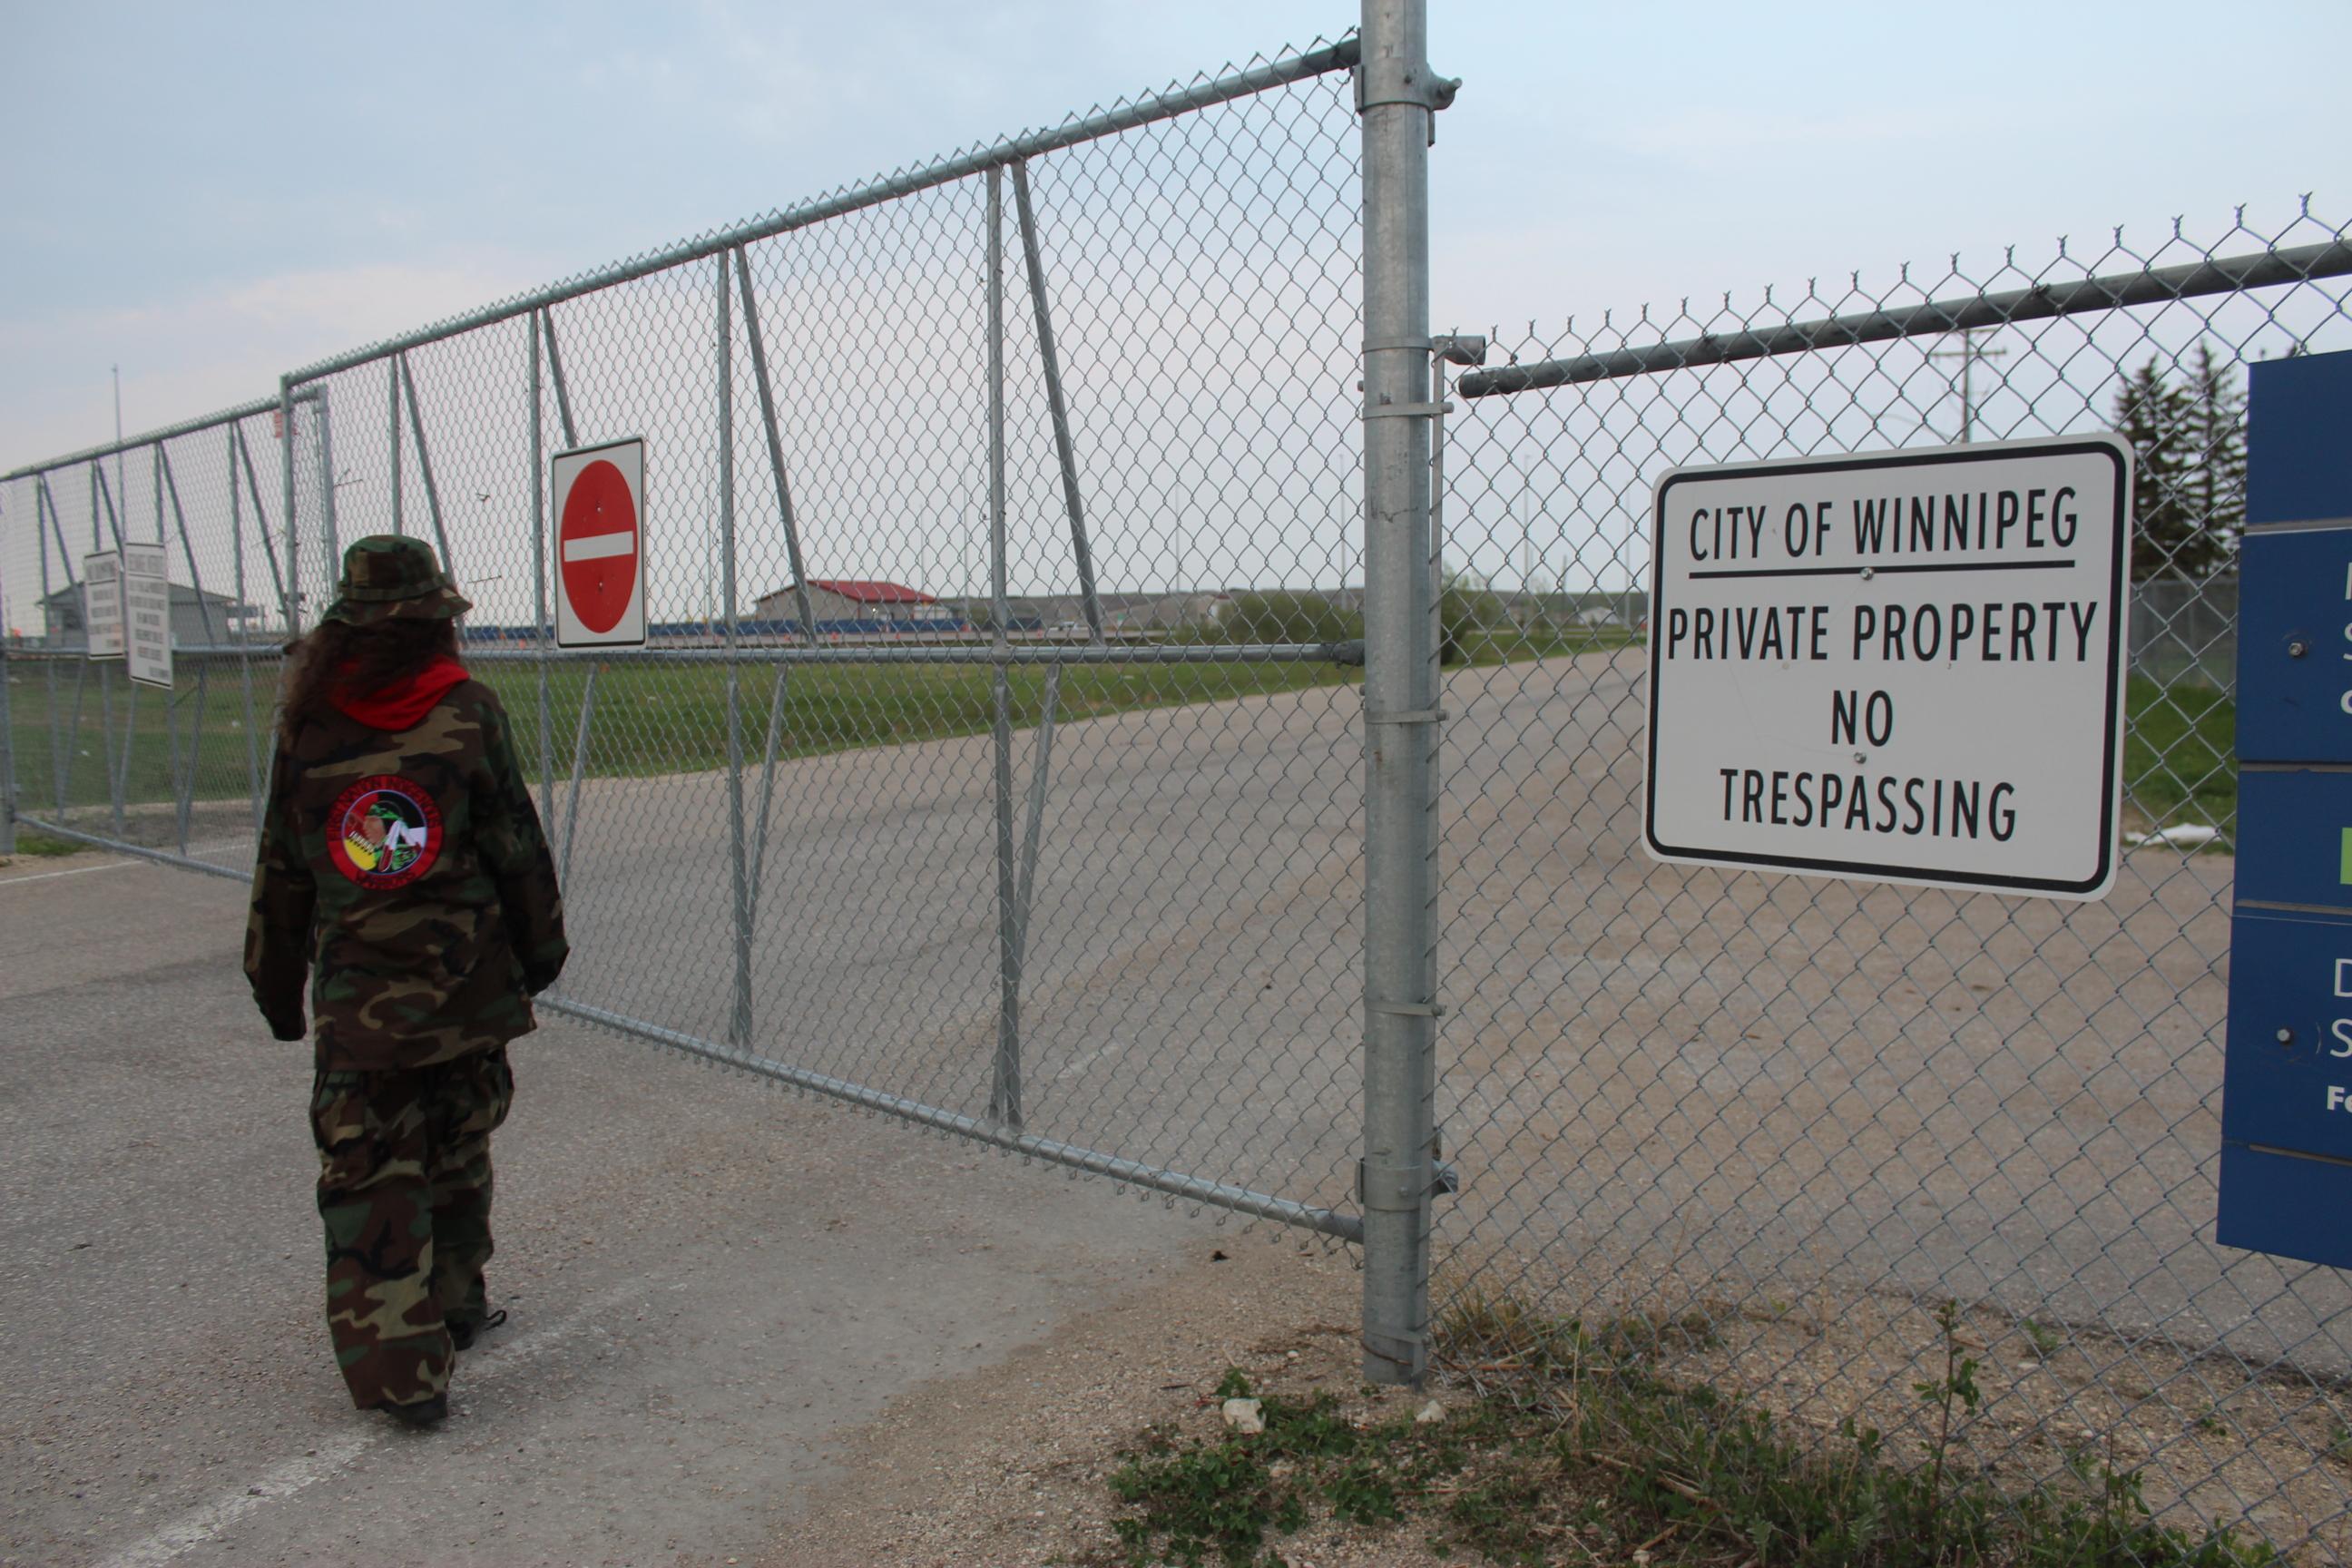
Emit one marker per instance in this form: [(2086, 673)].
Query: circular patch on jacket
[(384, 832)]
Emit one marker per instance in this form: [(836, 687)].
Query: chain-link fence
[(2187, 631), (979, 767), (175, 771), (1015, 530), (1790, 1118)]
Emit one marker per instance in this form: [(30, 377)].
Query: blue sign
[(2295, 657), (2294, 839), (2287, 1081), (2298, 464)]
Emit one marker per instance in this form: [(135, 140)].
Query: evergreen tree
[(2173, 495), (2218, 442)]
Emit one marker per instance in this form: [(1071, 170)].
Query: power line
[(1968, 354)]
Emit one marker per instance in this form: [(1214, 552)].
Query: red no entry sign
[(599, 545)]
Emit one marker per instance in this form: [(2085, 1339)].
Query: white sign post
[(599, 545), (147, 613), (101, 604), (1904, 667)]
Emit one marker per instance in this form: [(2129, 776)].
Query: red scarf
[(404, 704)]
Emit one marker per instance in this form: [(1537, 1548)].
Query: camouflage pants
[(404, 1190)]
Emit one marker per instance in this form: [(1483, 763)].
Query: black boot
[(419, 1414), (463, 1329)]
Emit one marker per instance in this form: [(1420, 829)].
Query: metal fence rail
[(1788, 1118)]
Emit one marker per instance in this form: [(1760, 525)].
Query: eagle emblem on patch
[(384, 832)]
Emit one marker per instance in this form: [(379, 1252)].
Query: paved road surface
[(710, 1280)]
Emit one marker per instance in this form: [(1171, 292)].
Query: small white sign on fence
[(101, 604), (1902, 668), (147, 613)]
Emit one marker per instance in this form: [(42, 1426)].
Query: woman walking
[(404, 875)]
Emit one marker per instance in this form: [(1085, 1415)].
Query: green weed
[(41, 845), (1582, 1434)]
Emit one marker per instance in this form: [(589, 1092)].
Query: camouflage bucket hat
[(389, 577)]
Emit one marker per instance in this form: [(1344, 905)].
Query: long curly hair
[(359, 660)]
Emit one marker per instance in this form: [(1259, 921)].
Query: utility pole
[(1968, 354), (121, 496)]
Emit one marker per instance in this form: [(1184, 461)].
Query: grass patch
[(2181, 753), (647, 719), (1504, 646), (1578, 1447), (68, 721), (673, 718), (661, 718), (40, 846)]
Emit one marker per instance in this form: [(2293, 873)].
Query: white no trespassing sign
[(101, 604), (147, 613), (1900, 668)]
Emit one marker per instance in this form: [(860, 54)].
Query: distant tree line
[(2189, 481), (1467, 608)]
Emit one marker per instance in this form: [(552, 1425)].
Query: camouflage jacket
[(405, 873)]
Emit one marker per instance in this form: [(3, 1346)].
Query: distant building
[(832, 599), (1168, 612), (1064, 614), (197, 619)]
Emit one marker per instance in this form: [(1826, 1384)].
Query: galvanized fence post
[(61, 736), (244, 632), (278, 581), (555, 378), (173, 772), (1397, 97), (539, 578), (579, 770), (114, 770), (544, 325), (50, 641), (1004, 1092), (1081, 559), (1050, 363), (7, 758), (293, 600), (392, 408), (424, 470), (212, 634), (775, 439), (790, 524), (738, 1026), (329, 533)]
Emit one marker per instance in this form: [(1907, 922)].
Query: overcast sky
[(209, 195)]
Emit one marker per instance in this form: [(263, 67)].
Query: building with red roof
[(835, 599)]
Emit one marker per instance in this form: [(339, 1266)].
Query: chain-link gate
[(174, 774), (1790, 1118), (985, 764)]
